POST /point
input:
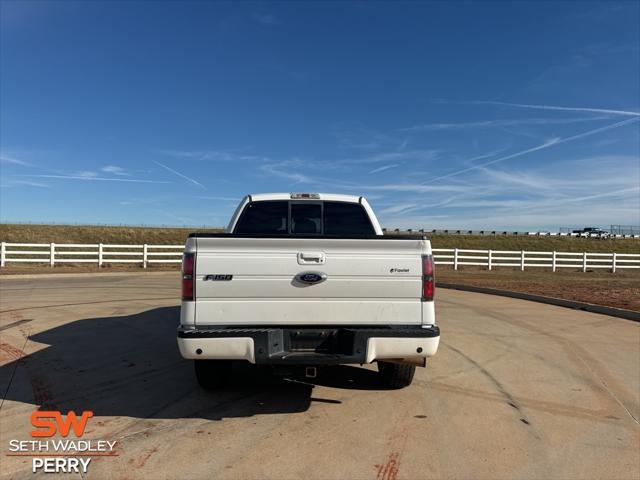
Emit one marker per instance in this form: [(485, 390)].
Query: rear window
[(281, 217), (306, 218), (264, 218), (346, 219)]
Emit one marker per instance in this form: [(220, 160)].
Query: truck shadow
[(130, 366)]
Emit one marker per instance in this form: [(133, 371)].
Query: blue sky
[(494, 115)]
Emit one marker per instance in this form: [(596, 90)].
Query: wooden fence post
[(455, 258), (584, 261), (613, 263), (144, 256), (553, 261), (522, 260), (3, 248), (52, 254), (489, 259), (100, 255)]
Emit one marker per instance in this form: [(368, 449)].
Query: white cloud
[(212, 155), (402, 208), (278, 170), (547, 144), (85, 174), (413, 187), (499, 123), (114, 170), (217, 199), (386, 167), (24, 183), (356, 136), (537, 107), (14, 161), (595, 190), (94, 178), (418, 155)]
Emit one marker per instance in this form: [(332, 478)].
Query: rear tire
[(213, 373), (396, 375)]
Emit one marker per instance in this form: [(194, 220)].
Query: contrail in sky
[(99, 179), (556, 141), (386, 167), (554, 107), (188, 179)]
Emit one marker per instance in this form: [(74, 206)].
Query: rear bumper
[(310, 345)]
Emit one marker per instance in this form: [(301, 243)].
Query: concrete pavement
[(517, 390)]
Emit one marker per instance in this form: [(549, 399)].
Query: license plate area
[(323, 341)]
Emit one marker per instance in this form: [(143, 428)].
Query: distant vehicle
[(592, 231), (306, 280)]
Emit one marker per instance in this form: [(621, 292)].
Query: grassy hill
[(22, 233)]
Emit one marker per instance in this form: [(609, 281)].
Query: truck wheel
[(212, 373), (396, 375)]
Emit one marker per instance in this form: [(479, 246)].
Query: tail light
[(188, 260), (428, 282)]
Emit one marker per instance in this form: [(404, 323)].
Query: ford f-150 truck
[(307, 280)]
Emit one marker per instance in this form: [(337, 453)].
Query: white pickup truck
[(307, 280)]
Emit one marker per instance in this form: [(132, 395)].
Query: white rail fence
[(496, 233), (95, 253), (144, 254), (523, 259)]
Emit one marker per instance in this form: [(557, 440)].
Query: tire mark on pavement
[(604, 382), (15, 324), (89, 303), (571, 411), (510, 400)]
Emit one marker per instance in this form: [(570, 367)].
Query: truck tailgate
[(253, 281)]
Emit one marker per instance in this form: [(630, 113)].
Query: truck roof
[(336, 197)]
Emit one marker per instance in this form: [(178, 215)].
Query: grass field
[(95, 234), (177, 236), (620, 289)]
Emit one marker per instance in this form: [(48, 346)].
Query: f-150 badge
[(218, 278)]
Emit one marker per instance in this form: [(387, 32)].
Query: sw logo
[(51, 455), (50, 422)]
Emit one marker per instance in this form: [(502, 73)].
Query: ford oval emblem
[(311, 277)]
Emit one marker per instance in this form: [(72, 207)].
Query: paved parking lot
[(517, 390)]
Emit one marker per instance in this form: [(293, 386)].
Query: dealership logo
[(399, 270), (66, 455), (46, 427)]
